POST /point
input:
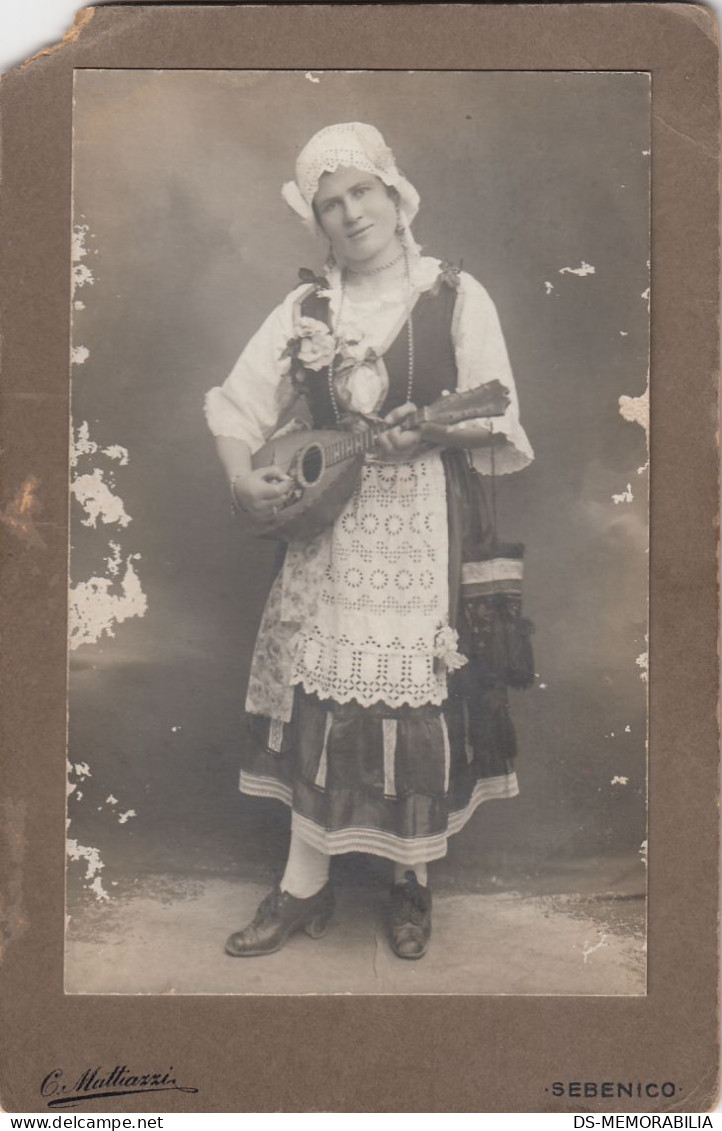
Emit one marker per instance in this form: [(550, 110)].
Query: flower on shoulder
[(447, 656), (312, 346), (449, 276)]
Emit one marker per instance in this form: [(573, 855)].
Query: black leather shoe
[(278, 916), (410, 918)]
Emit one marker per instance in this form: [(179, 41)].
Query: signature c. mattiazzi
[(93, 1084)]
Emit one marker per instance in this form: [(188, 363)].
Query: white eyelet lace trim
[(383, 594), (351, 144)]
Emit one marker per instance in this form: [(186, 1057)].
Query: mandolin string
[(359, 443)]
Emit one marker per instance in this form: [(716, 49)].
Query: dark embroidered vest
[(434, 361)]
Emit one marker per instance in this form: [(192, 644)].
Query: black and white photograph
[(358, 595)]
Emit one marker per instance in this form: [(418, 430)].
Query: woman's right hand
[(261, 492)]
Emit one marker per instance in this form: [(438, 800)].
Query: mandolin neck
[(488, 400)]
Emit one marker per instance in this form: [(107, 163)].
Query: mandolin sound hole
[(312, 464)]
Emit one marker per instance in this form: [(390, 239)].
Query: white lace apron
[(357, 611)]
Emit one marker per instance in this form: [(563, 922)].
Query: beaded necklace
[(409, 336), (378, 270)]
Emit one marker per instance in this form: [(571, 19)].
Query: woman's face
[(358, 216)]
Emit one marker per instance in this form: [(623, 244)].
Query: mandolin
[(325, 464)]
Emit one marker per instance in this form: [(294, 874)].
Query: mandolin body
[(320, 489)]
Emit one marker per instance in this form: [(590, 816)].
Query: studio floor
[(164, 934), (541, 894)]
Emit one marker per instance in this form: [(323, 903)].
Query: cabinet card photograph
[(359, 533), (359, 441)]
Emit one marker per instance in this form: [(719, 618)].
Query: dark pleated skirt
[(392, 782)]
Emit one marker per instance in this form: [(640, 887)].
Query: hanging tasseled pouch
[(494, 632), (497, 634)]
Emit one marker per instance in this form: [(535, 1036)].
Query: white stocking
[(400, 871), (306, 869)]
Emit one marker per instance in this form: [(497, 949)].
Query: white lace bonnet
[(357, 146)]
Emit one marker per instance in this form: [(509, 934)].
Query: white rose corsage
[(313, 344), (359, 375)]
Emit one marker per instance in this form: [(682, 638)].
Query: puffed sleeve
[(481, 356), (257, 391)]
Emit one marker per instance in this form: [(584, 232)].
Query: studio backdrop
[(535, 183)]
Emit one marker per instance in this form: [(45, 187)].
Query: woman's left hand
[(399, 443)]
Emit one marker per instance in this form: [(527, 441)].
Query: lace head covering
[(357, 146)]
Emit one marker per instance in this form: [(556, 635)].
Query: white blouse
[(252, 399)]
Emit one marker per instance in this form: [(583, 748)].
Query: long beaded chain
[(409, 336)]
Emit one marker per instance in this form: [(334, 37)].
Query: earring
[(400, 229), (330, 258)]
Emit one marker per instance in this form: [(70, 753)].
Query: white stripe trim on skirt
[(377, 842), (323, 760)]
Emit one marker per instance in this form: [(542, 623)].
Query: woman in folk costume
[(364, 711)]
